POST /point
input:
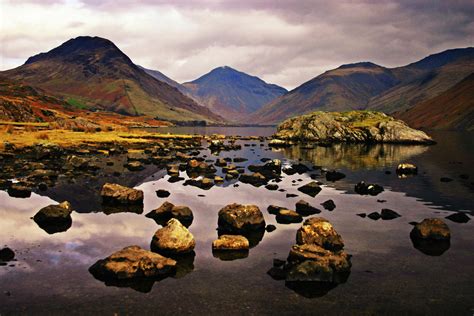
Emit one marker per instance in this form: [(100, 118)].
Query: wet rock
[(388, 214), (296, 168), (312, 188), (77, 162), (134, 166), (255, 179), (240, 159), (204, 183), (285, 216), (270, 228), (132, 262), (218, 179), (458, 217), (363, 215), (162, 193), (173, 239), (271, 187), (374, 216), (54, 218), (305, 209), (432, 229), (431, 237), (291, 195), (221, 162), (116, 194), (279, 143), (6, 254), (406, 169), (238, 218), (174, 179), (168, 210), (363, 188), (19, 190), (231, 243), (318, 231), (329, 205), (138, 155), (334, 175)]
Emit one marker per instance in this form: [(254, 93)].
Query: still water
[(388, 274)]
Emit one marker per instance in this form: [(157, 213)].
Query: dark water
[(388, 275)]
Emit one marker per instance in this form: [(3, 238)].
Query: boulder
[(132, 262), (388, 214), (305, 209), (6, 254), (113, 193), (363, 188), (312, 188), (19, 190), (168, 211), (162, 193), (318, 231), (240, 218), (432, 229), (329, 205), (255, 179), (231, 242), (285, 216), (134, 166), (173, 239)]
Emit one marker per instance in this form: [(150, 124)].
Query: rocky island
[(350, 127)]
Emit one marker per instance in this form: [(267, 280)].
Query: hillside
[(451, 110), (232, 94), (348, 87), (369, 86), (164, 78), (92, 73)]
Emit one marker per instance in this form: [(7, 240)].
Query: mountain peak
[(80, 46)]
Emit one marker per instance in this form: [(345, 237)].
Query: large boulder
[(432, 237), (117, 194), (353, 126), (240, 218), (319, 231), (132, 262), (54, 218), (168, 210), (173, 239)]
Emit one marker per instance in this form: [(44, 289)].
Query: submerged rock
[(334, 175), (312, 188), (329, 205), (162, 193), (239, 218), (458, 217), (388, 214), (285, 216), (117, 194), (168, 210), (353, 126), (130, 263), (173, 239)]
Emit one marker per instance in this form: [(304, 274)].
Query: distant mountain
[(369, 86), (451, 110), (348, 87), (92, 73), (232, 94), (162, 77)]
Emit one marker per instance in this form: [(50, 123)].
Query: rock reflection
[(230, 255), (57, 227), (430, 247), (355, 156), (115, 209), (184, 264)]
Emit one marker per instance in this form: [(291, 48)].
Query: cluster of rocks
[(317, 258)]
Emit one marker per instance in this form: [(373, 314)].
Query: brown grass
[(42, 135)]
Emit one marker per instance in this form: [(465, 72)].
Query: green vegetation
[(76, 103)]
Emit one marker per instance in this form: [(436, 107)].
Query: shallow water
[(388, 274)]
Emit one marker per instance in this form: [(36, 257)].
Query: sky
[(282, 42)]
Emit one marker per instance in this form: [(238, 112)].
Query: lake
[(388, 275)]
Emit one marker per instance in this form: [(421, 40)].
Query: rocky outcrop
[(168, 210), (132, 262), (354, 126), (119, 195), (238, 218), (173, 239)]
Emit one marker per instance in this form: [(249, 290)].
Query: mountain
[(92, 73), (232, 94), (164, 78), (425, 79), (348, 87), (451, 110), (372, 87)]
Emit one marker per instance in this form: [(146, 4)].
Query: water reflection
[(355, 156), (429, 247)]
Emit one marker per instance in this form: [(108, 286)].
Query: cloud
[(283, 42)]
